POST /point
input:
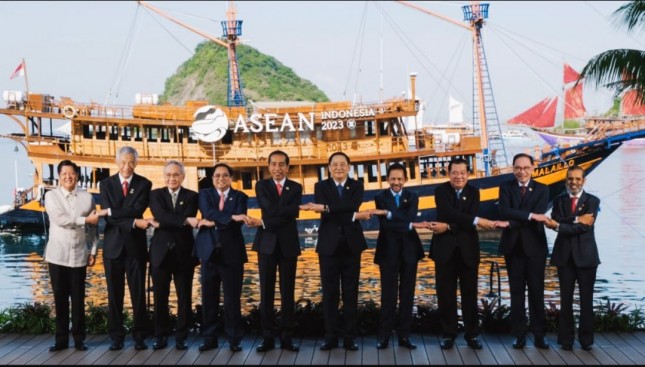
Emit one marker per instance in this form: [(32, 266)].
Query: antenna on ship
[(231, 29), (484, 110)]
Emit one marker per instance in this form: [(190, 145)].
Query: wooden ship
[(200, 134)]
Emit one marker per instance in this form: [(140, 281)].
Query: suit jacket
[(172, 229), (516, 210), (120, 232), (227, 235), (396, 241), (460, 216), (338, 222), (279, 214), (575, 239)]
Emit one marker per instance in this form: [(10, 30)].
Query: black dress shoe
[(329, 344), (265, 346), (519, 343), (587, 347), (474, 343), (541, 342), (287, 344), (160, 343), (140, 345), (447, 343), (382, 343), (80, 346), (58, 346), (235, 347), (350, 344), (116, 345), (567, 346), (181, 345), (405, 342), (208, 344)]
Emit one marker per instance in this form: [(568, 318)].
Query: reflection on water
[(620, 231)]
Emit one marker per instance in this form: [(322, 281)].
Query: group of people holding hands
[(219, 248)]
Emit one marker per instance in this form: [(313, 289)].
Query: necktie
[(125, 188), (340, 190), (222, 199), (574, 202), (174, 199), (458, 192), (279, 189), (522, 190), (397, 196)]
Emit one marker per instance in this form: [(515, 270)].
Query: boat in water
[(541, 117), (243, 134)]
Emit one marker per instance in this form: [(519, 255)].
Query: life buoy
[(69, 112)]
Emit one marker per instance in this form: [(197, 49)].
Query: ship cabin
[(373, 134)]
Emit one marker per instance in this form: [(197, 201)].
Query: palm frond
[(620, 70), (632, 14)]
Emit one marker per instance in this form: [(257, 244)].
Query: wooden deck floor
[(609, 349)]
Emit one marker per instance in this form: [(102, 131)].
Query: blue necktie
[(458, 194), (396, 199), (340, 190)]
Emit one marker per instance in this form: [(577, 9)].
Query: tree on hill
[(205, 76)]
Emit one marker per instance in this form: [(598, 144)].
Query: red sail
[(573, 105), (629, 105), (535, 116), (570, 75)]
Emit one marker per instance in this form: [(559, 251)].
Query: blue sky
[(73, 48)]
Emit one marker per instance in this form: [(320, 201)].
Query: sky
[(352, 50)]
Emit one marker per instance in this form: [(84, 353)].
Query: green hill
[(205, 76)]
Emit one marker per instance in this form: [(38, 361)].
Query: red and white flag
[(20, 71)]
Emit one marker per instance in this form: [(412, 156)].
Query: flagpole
[(24, 66)]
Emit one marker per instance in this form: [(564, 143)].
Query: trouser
[(68, 283)]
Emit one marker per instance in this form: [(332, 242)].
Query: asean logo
[(210, 124)]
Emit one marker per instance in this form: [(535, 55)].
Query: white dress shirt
[(70, 239)]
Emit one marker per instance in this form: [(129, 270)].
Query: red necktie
[(279, 189), (222, 199), (125, 188), (574, 202)]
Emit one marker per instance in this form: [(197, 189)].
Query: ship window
[(383, 172), (360, 172), (383, 128), (413, 172), (114, 132), (125, 135), (247, 180), (166, 133), (136, 131), (87, 131), (153, 133), (322, 173), (372, 173), (369, 128)]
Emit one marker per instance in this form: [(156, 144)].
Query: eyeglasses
[(223, 176), (525, 169), (172, 175)]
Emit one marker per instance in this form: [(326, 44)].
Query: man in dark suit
[(174, 209), (220, 247), (455, 251), (124, 199), (522, 204), (278, 247), (575, 253), (340, 244), (398, 251)]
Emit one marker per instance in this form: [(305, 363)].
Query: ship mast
[(232, 29), (484, 109)]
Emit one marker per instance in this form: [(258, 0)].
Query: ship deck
[(609, 349)]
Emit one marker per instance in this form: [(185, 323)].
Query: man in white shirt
[(72, 228)]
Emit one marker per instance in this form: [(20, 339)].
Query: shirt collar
[(66, 193), (340, 183), (280, 182), (526, 184), (225, 193), (395, 193), (578, 195), (121, 179), (171, 192)]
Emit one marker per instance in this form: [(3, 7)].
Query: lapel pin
[(530, 189), (286, 188), (131, 191), (230, 199), (405, 200), (464, 198), (181, 203)]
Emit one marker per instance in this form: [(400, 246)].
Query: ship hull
[(551, 173)]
